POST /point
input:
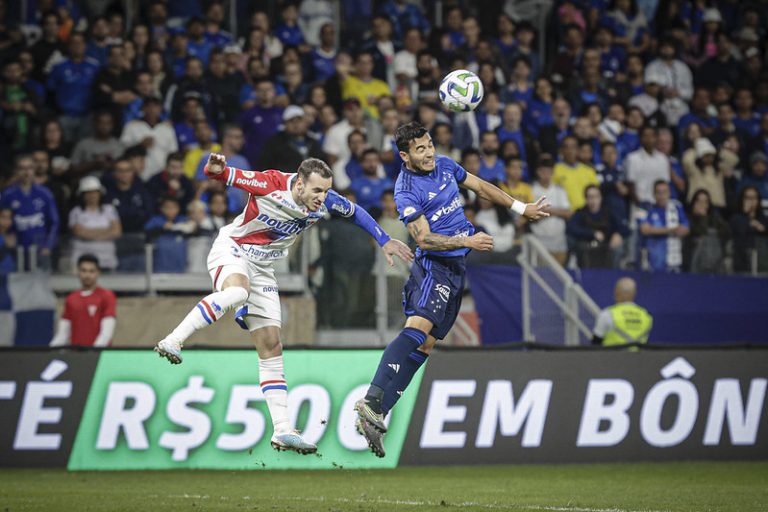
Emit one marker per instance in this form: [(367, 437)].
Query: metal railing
[(555, 308)]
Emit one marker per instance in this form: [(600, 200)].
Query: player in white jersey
[(279, 208)]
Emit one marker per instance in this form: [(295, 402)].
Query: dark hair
[(509, 160), (469, 152), (169, 199), (700, 192), (659, 182), (368, 151), (356, 132), (743, 193), (177, 156), (314, 165), (408, 132), (590, 187), (88, 258)]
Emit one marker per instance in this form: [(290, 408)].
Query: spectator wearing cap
[(96, 154), (322, 58), (70, 81), (707, 169), (94, 225), (113, 85), (645, 166), (648, 100), (261, 121), (289, 147), (676, 75), (706, 40), (757, 176), (364, 86), (335, 145), (127, 193), (721, 68), (156, 136)]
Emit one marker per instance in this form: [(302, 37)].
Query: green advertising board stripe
[(209, 413)]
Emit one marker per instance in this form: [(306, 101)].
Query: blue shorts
[(434, 291)]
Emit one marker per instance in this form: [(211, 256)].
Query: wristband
[(518, 207)]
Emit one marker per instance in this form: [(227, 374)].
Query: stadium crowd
[(645, 123)]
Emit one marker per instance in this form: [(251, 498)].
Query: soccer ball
[(461, 91)]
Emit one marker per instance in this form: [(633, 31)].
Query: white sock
[(207, 311), (275, 391)]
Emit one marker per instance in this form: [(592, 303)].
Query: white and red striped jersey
[(271, 220)]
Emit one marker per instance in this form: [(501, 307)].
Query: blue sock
[(394, 358), (401, 380)]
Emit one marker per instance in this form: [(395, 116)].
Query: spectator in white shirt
[(551, 230), (645, 166), (677, 77), (157, 136)]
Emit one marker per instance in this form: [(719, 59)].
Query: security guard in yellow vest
[(624, 322)]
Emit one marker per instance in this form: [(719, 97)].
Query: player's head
[(415, 146), (88, 270), (314, 182), (625, 290)]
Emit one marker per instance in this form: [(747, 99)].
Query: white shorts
[(226, 258)]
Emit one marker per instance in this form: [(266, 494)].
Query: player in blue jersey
[(428, 201)]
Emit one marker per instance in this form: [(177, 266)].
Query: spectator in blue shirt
[(7, 242), (491, 166), (198, 45), (231, 144), (167, 231), (664, 229), (98, 47), (404, 15), (261, 121), (35, 217), (70, 81), (289, 32), (322, 60), (699, 114), (178, 52), (612, 57), (369, 187), (127, 193), (214, 18)]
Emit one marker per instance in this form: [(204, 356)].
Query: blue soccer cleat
[(171, 350), (293, 442), (240, 317)]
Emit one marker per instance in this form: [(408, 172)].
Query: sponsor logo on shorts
[(443, 291), (269, 289), (251, 183)]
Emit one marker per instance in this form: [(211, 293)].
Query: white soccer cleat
[(171, 350), (292, 441)]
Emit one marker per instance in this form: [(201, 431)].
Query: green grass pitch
[(672, 487)]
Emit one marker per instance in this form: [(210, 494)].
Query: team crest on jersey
[(409, 210), (443, 291), (248, 174), (92, 310)]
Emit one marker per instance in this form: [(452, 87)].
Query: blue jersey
[(436, 196), (368, 190), (35, 217), (665, 253), (71, 84)]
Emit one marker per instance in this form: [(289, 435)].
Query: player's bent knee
[(239, 280)]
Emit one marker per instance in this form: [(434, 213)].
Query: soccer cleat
[(240, 317), (292, 441), (169, 350), (374, 437), (365, 413)]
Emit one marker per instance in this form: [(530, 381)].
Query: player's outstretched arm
[(429, 241), (343, 207), (489, 191)]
